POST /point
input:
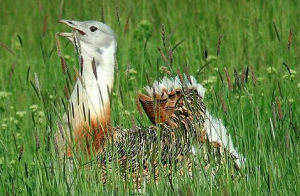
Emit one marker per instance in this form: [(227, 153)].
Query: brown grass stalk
[(290, 38), (229, 82), (254, 81)]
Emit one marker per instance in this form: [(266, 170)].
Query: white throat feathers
[(91, 95), (89, 104)]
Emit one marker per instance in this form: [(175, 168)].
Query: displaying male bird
[(174, 106)]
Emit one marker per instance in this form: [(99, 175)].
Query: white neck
[(97, 73)]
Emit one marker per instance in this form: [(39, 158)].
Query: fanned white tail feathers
[(216, 132), (169, 84)]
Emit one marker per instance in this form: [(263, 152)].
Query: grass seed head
[(229, 82)]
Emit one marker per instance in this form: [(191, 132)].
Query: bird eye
[(93, 28)]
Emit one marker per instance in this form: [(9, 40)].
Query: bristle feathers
[(168, 85)]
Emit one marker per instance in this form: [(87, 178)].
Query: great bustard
[(174, 105)]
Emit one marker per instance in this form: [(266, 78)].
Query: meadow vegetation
[(245, 53)]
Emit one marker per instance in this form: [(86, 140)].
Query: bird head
[(92, 34)]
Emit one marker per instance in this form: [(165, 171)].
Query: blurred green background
[(217, 41)]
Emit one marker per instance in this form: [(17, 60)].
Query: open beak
[(75, 25)]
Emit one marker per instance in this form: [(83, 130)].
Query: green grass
[(248, 37)]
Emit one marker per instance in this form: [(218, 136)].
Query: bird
[(174, 105)]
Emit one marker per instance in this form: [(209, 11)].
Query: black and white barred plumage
[(163, 143)]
